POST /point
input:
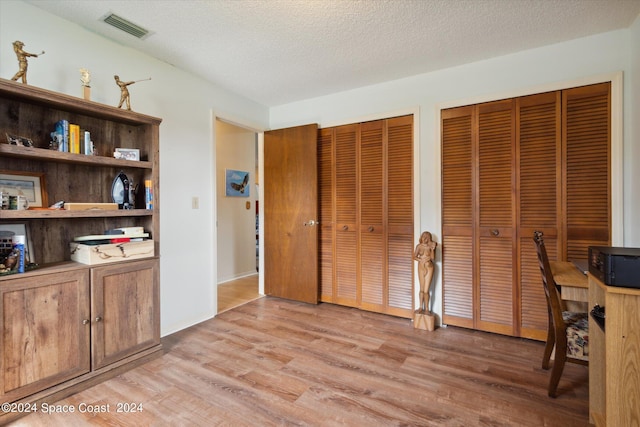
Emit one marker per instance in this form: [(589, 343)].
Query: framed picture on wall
[(236, 183)]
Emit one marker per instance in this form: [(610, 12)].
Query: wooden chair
[(567, 331)]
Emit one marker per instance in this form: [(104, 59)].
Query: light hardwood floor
[(276, 362), (237, 292)]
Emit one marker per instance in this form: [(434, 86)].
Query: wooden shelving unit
[(83, 304)]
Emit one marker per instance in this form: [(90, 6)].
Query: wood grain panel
[(400, 171), (496, 281), (533, 305), (326, 228), (371, 174), (44, 340), (457, 278), (372, 270), (346, 176), (495, 164), (588, 139), (401, 274), (457, 167), (345, 263), (539, 154)]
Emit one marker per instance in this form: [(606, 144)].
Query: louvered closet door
[(457, 217), (326, 228), (372, 233), (538, 142), (495, 205), (399, 202), (346, 233), (587, 132)]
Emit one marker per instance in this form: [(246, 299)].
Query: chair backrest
[(554, 301)]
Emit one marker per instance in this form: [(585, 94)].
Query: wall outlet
[(195, 203)]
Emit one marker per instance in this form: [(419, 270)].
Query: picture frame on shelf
[(127, 154), (7, 231), (236, 183), (28, 184)]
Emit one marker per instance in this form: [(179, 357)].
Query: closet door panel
[(496, 207), (326, 228), (587, 132), (346, 257), (371, 229), (538, 144), (399, 202), (457, 217)]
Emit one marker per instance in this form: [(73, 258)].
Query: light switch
[(195, 202)]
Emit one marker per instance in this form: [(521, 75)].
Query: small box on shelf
[(112, 252)]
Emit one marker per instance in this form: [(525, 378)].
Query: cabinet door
[(125, 309), (44, 339)]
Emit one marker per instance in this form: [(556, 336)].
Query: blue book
[(62, 128)]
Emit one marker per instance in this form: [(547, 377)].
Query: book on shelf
[(74, 138), (148, 194), (62, 129)]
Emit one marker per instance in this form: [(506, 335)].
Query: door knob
[(311, 223)]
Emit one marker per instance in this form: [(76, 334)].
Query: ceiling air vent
[(126, 26)]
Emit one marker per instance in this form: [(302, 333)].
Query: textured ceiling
[(280, 51)]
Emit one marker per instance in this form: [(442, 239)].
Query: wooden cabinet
[(65, 323), (366, 215), (125, 304), (614, 356), (511, 167), (44, 332)]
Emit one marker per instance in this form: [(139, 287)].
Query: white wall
[(520, 73), (236, 231), (185, 104), (632, 146)]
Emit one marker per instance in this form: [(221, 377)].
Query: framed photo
[(236, 183), (127, 154), (7, 231), (28, 184)]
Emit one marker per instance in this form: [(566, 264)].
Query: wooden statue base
[(425, 321)]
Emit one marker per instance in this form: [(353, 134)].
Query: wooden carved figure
[(425, 253)]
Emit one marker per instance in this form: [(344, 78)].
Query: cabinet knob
[(345, 227), (370, 229), (495, 232), (98, 319), (85, 321)]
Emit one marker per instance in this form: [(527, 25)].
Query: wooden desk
[(614, 356), (573, 282)]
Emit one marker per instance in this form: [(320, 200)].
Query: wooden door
[(125, 310), (586, 129), (495, 221), (539, 155), (458, 197), (44, 332), (291, 213)]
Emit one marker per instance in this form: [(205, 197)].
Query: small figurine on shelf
[(124, 92), (22, 60), (85, 78)]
